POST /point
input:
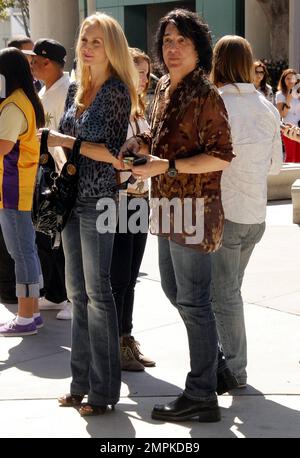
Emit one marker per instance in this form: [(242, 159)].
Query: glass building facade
[(139, 18)]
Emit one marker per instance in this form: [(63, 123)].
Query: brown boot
[(134, 346), (128, 361)]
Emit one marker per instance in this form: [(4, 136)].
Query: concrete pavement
[(34, 371)]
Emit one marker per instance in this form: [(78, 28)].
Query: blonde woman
[(129, 247), (255, 128), (97, 111)]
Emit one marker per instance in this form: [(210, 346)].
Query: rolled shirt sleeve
[(214, 128)]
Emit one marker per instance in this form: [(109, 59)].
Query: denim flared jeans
[(95, 358)]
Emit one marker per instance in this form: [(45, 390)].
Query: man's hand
[(134, 146), (155, 166)]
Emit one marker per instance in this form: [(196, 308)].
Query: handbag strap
[(44, 140), (74, 155)]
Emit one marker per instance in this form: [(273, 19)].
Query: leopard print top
[(104, 121)]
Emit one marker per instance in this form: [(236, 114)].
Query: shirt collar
[(194, 74), (59, 82), (237, 88)]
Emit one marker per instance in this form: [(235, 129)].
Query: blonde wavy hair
[(117, 51), (139, 56)]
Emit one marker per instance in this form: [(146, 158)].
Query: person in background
[(261, 76), (255, 128), (73, 71), (289, 108), (21, 42), (190, 146), (97, 113), (21, 112), (7, 265), (25, 44), (129, 247), (48, 59)]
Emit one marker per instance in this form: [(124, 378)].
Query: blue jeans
[(228, 267), (95, 354), (185, 278), (19, 237)]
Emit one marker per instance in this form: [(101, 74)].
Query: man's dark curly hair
[(192, 26)]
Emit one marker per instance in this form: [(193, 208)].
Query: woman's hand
[(117, 164), (289, 97), (54, 138), (292, 132)]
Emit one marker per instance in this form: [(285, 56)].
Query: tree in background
[(277, 14), (23, 6)]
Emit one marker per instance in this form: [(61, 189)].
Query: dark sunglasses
[(259, 72)]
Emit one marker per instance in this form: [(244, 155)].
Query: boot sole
[(18, 334), (207, 416), (133, 370)]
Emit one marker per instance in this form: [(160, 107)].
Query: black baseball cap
[(51, 49)]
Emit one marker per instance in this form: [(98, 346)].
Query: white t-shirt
[(12, 123), (138, 187), (53, 100), (293, 115), (255, 129)]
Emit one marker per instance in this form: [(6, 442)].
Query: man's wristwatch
[(172, 171)]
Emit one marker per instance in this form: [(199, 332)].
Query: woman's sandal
[(87, 410), (71, 400)]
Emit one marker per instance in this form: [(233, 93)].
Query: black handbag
[(55, 194)]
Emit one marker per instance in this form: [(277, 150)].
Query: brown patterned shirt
[(192, 121)]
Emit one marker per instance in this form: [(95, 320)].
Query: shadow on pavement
[(137, 410), (46, 354)]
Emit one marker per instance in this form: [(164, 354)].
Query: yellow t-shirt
[(18, 168)]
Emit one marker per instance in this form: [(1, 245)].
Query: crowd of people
[(212, 137)]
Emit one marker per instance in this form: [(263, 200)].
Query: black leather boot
[(226, 381), (183, 409)]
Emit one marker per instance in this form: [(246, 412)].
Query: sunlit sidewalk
[(35, 370)]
